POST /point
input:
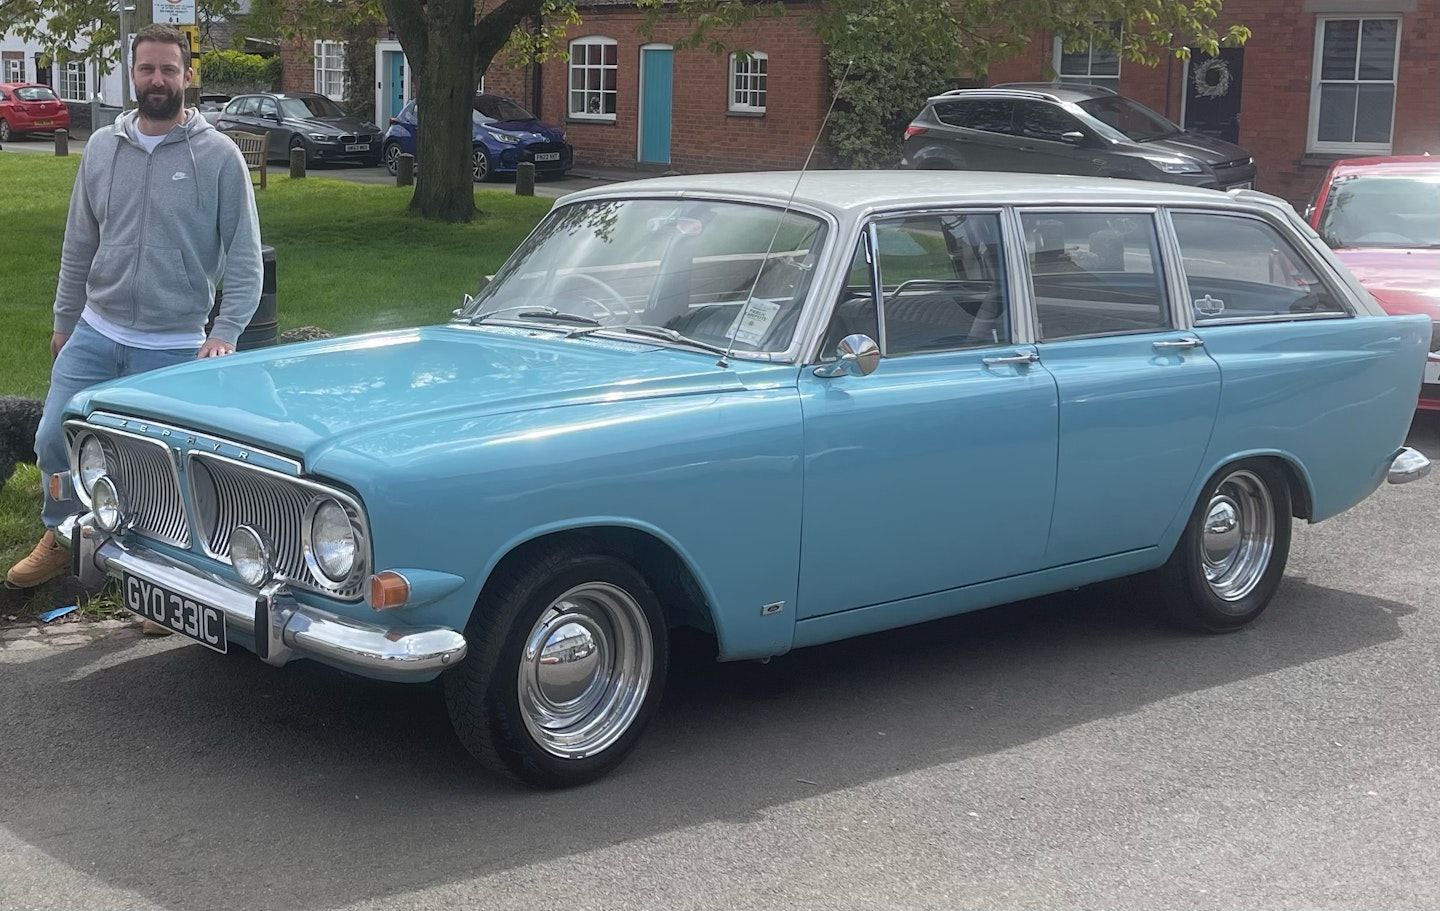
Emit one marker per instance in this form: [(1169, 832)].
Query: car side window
[(245, 107), (943, 281), (268, 108), (989, 115), (1039, 120), (1238, 267), (1095, 273)]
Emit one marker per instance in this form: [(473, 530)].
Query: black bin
[(263, 328)]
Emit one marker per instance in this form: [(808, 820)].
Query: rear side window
[(1095, 273), (990, 115), (1238, 267)]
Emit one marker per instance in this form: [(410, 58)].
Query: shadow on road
[(218, 781)]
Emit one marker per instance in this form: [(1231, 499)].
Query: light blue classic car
[(779, 409)]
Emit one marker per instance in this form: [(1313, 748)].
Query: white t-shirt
[(123, 335)]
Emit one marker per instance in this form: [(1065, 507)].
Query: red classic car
[(1382, 218), (28, 107)]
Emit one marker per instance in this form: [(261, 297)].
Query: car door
[(267, 119), (1039, 128), (239, 114), (936, 471), (1138, 393)]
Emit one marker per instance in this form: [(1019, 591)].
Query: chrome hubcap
[(585, 670), (1239, 536)]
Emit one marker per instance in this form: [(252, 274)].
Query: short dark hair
[(164, 33)]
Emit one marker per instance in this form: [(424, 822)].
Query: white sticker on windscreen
[(754, 321)]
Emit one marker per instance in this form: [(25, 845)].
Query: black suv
[(1064, 128)]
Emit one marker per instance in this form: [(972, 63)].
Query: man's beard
[(160, 105)]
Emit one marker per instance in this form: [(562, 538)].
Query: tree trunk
[(445, 94)]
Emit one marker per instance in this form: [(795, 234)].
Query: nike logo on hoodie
[(179, 175)]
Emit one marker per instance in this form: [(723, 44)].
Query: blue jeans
[(88, 358)]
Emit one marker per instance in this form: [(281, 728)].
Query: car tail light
[(913, 130)]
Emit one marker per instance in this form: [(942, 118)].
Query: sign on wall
[(173, 12)]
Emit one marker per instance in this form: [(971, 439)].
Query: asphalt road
[(1061, 753), (578, 179)]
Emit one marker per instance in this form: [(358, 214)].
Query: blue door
[(395, 63), (937, 471), (656, 93)]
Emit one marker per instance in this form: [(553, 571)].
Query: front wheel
[(567, 663), (480, 165), (1231, 557), (390, 157)]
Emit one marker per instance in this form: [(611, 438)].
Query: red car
[(28, 107), (1382, 218)]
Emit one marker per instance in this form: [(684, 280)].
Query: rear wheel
[(567, 662), (5, 133), (1231, 557)]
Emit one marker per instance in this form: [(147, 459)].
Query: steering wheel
[(606, 290)]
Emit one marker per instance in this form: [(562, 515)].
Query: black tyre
[(6, 135), (1231, 557), (390, 157), (480, 165), (567, 660)]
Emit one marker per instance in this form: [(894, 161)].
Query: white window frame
[(749, 78), (593, 98), (1103, 80), (15, 69), (330, 78), (1313, 142), (73, 75)]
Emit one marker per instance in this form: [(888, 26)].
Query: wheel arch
[(1297, 478), (685, 598)]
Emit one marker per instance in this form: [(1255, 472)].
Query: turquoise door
[(655, 102), (395, 62)]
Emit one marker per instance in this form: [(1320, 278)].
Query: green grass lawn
[(348, 258)]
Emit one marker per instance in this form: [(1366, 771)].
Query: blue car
[(771, 410), (505, 134)]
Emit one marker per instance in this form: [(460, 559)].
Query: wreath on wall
[(1212, 78)]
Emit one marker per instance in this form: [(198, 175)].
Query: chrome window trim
[(1298, 244), (318, 584), (1154, 213)]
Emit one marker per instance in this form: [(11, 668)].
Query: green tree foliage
[(84, 29)]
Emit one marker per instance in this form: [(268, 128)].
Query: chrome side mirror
[(856, 355)]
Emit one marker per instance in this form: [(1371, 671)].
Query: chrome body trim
[(282, 628), (146, 476), (1407, 465)]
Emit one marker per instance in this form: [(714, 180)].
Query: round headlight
[(106, 505), (91, 462), (250, 555), (332, 540)]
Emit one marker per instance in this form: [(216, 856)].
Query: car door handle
[(1180, 343), (1028, 357)]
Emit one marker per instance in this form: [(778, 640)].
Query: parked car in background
[(27, 107), (212, 105), (1063, 128), (304, 120), (1381, 216), (780, 410), (504, 135)]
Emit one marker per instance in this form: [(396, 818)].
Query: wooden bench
[(256, 149)]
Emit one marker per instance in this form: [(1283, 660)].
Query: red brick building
[(1319, 79)]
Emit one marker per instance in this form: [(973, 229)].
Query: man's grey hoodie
[(150, 234)]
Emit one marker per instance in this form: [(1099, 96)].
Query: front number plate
[(358, 147), (547, 156), (186, 616)]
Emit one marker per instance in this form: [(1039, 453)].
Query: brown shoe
[(47, 561), (151, 628)]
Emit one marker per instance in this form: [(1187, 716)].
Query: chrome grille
[(145, 476), (227, 494)]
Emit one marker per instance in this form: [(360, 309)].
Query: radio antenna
[(780, 222)]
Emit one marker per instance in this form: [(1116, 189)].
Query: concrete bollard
[(405, 170), (525, 179), (62, 143), (297, 163)]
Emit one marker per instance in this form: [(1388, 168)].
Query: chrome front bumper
[(280, 627), (1407, 465)]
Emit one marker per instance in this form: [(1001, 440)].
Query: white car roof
[(847, 193)]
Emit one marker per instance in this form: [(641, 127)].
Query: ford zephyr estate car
[(779, 409)]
